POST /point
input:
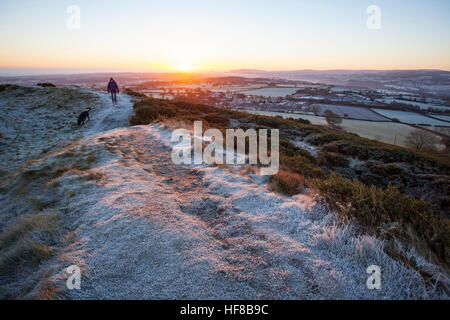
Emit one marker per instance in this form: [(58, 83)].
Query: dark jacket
[(113, 87)]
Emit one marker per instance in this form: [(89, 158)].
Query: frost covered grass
[(24, 243), (330, 253), (24, 247), (36, 191), (37, 120), (378, 210), (34, 233), (390, 215)]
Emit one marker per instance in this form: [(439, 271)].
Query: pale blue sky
[(211, 35)]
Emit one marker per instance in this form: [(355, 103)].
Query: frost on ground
[(141, 227)]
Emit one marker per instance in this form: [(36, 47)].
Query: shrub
[(217, 119), (346, 148), (271, 122), (276, 122), (188, 107), (331, 159), (301, 165), (46, 85), (149, 110), (288, 183), (135, 94), (300, 120), (332, 118), (387, 213), (4, 87), (290, 149), (323, 138), (48, 171), (385, 170)]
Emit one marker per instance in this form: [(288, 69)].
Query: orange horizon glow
[(218, 67), (124, 62)]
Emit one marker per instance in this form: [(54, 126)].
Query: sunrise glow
[(184, 67), (205, 36)]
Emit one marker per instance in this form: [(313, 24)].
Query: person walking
[(113, 88)]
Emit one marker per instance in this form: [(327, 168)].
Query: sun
[(184, 67)]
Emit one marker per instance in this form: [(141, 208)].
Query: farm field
[(351, 112), (313, 119), (388, 132), (442, 117), (421, 105), (410, 117), (271, 92)]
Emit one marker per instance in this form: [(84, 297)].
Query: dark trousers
[(114, 96)]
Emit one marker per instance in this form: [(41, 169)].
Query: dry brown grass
[(288, 183), (97, 176), (47, 290)]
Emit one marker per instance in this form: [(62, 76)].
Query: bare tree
[(332, 118), (421, 140)]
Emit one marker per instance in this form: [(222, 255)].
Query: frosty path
[(110, 116), (150, 229)]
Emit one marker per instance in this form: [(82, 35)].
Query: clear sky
[(166, 35)]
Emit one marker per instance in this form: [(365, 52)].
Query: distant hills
[(434, 82), (427, 81)]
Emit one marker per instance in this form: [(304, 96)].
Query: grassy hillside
[(389, 191)]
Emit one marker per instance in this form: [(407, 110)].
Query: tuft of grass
[(28, 242), (47, 290), (25, 252), (45, 223), (40, 204), (84, 164), (48, 171), (288, 183), (94, 176)]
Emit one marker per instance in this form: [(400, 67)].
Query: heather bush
[(288, 183), (301, 165), (388, 213), (331, 159), (149, 110)]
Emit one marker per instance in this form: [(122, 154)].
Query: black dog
[(83, 116)]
